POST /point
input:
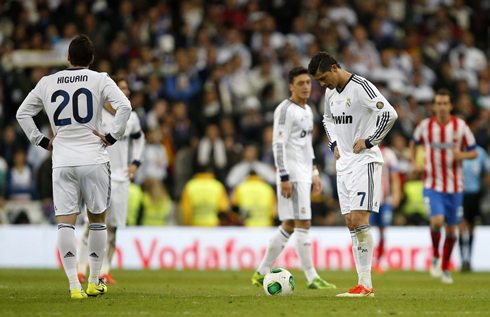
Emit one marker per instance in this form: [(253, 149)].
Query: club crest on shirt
[(380, 105), (347, 103)]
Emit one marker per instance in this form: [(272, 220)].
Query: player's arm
[(121, 104), (372, 99), (138, 145), (29, 108), (471, 146), (281, 133), (329, 126)]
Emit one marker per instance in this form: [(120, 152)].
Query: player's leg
[(116, 218), (279, 239), (96, 188), (83, 254), (277, 243), (474, 211), (66, 196), (463, 229), (365, 196), (302, 223), (434, 202), (454, 214)]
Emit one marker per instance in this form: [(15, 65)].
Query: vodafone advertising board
[(229, 248)]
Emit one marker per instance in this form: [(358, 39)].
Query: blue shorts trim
[(449, 205), (383, 218)]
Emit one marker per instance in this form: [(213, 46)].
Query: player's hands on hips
[(457, 154), (50, 145), (317, 185), (286, 189), (359, 145), (132, 169), (336, 153), (102, 137)]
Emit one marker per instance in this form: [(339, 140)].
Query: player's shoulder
[(283, 107), (460, 121), (424, 122), (360, 83)]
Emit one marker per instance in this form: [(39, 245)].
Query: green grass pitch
[(221, 293)]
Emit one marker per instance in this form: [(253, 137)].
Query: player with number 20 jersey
[(74, 99)]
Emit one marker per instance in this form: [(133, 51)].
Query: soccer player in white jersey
[(390, 199), (122, 172), (357, 117), (447, 142), (73, 100), (296, 171)]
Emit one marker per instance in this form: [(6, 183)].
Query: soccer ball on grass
[(279, 282)]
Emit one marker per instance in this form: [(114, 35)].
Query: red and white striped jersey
[(390, 165), (441, 172)]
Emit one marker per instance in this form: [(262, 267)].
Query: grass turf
[(219, 293)]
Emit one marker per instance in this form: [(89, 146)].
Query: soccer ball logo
[(279, 282)]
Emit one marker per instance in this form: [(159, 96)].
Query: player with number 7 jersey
[(73, 100)]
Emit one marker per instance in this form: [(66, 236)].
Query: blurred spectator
[(362, 56), (250, 162), (255, 202), (149, 205), (204, 201), (252, 121), (211, 152), (20, 184), (155, 162), (184, 84)]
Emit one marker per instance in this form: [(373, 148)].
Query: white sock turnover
[(68, 253), (97, 241), (365, 254)]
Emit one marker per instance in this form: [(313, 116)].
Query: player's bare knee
[(96, 218), (303, 224), (359, 218), (288, 225), (450, 231)]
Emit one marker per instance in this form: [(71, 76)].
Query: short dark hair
[(295, 72), (81, 51), (321, 62), (444, 92)]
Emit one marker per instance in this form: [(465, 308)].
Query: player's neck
[(76, 66), (344, 77), (298, 101), (443, 120)]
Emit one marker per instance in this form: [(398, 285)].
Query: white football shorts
[(360, 189), (298, 206), (118, 210), (90, 182)]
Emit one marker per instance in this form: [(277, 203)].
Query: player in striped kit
[(447, 141), (356, 119)]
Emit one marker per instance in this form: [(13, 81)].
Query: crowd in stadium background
[(206, 76)]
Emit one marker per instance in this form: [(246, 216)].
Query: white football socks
[(97, 241), (276, 245), (365, 254), (303, 249), (83, 251), (68, 253), (355, 243), (111, 247)]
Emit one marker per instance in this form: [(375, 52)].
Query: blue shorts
[(449, 205), (383, 218)]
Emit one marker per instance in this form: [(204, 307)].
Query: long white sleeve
[(137, 139), (329, 125), (29, 108)]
